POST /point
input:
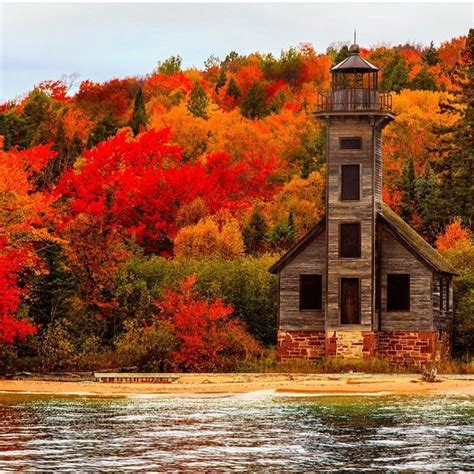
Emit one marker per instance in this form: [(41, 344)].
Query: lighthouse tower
[(355, 112)]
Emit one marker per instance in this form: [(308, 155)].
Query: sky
[(100, 41)]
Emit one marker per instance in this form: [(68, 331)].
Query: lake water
[(258, 431)]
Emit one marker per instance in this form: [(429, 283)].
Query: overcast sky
[(102, 41)]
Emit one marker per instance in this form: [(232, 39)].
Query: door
[(350, 301)]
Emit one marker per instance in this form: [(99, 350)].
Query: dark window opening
[(398, 292), (444, 294), (350, 301), (350, 182), (310, 292), (350, 143), (349, 245)]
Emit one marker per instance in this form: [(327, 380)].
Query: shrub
[(243, 283), (146, 346), (208, 339), (56, 350)]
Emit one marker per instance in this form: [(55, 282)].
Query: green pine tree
[(254, 105), (255, 232), (139, 119), (106, 127), (221, 80), (395, 74), (408, 187), (233, 90), (424, 80), (431, 56), (198, 101)]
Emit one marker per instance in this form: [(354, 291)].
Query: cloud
[(99, 41)]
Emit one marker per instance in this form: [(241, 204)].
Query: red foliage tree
[(11, 328), (136, 187), (205, 332)]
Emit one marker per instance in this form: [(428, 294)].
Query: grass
[(268, 364)]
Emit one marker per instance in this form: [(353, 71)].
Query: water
[(244, 432)]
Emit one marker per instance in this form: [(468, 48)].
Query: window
[(444, 294), (398, 292), (310, 292), (350, 182), (349, 244), (350, 143), (350, 301)]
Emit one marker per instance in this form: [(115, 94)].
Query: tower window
[(398, 292), (310, 292), (350, 182), (350, 300), (349, 241), (350, 143)]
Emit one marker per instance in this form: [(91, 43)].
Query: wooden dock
[(109, 377)]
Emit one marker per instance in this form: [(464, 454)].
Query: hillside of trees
[(139, 216)]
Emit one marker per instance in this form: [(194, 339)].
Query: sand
[(220, 384)]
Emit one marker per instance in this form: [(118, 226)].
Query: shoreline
[(302, 385)]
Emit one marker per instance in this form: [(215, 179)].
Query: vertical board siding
[(350, 211), (311, 260), (396, 258)]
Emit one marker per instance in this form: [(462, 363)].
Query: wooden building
[(362, 282)]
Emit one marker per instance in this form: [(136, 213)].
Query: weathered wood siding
[(378, 182), (396, 258), (350, 211), (442, 320), (312, 260)]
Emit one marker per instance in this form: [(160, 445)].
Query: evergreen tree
[(255, 232), (198, 101), (284, 233), (429, 204), (139, 118), (342, 54), (408, 187), (106, 127), (254, 105), (172, 65), (424, 80), (395, 74), (233, 90), (221, 80), (431, 56), (456, 169)]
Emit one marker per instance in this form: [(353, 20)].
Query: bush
[(56, 350), (147, 347), (243, 283), (208, 339)]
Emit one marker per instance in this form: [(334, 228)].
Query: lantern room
[(354, 87)]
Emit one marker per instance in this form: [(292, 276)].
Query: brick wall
[(398, 347), (301, 345)]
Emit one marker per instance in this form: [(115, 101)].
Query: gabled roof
[(400, 229), (299, 246), (354, 63), (414, 240)]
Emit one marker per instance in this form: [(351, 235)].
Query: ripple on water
[(242, 432)]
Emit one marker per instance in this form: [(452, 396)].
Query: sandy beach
[(304, 384)]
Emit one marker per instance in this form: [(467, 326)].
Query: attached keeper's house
[(362, 282)]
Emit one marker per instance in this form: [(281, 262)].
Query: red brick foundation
[(398, 347), (301, 345)]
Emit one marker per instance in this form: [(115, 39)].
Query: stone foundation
[(398, 347)]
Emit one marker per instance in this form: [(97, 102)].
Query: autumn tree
[(170, 66), (210, 237), (208, 339)]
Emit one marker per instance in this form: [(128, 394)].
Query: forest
[(139, 216)]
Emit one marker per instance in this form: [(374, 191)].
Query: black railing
[(342, 100)]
